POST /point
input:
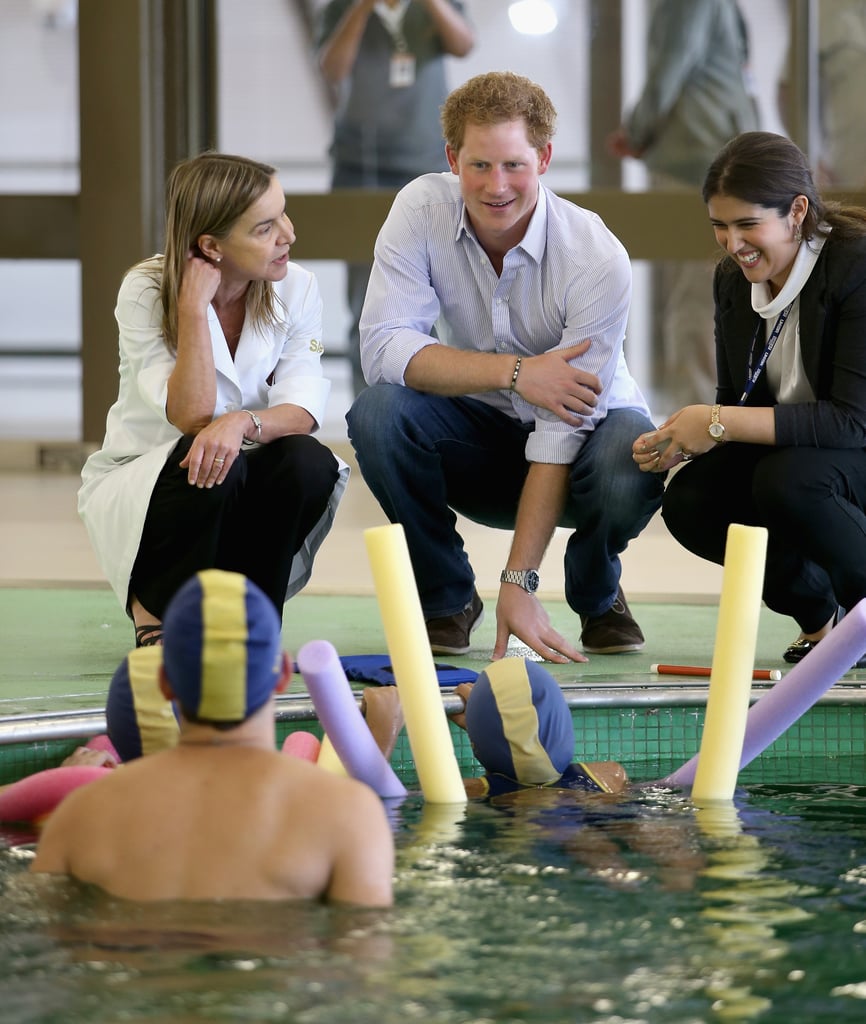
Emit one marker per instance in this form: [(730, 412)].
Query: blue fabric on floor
[(376, 668)]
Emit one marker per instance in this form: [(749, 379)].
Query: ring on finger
[(687, 456), (218, 462)]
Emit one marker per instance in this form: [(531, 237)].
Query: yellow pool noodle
[(412, 662), (733, 660), (439, 824), (329, 759)]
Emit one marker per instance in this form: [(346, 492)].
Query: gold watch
[(716, 430)]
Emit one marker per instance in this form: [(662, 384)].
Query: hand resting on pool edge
[(223, 814)]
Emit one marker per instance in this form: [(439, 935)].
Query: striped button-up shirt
[(569, 279)]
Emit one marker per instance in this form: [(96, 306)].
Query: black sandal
[(149, 635)]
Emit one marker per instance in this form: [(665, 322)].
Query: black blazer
[(832, 342)]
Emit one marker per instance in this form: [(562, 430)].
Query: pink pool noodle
[(807, 682), (103, 743), (36, 796), (342, 720), (303, 745)]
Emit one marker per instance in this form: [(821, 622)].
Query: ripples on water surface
[(546, 910)]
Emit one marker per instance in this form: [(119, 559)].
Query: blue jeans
[(425, 457)]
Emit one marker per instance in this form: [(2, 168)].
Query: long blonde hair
[(205, 195)]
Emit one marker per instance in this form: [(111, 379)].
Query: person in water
[(521, 730), (222, 814)]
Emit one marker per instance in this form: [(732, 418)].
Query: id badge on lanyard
[(401, 73), (402, 70)]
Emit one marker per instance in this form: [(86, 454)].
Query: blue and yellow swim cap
[(139, 720), (221, 646), (519, 722)]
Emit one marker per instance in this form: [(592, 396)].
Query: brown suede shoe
[(450, 633), (613, 632)]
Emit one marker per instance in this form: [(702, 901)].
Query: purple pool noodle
[(342, 720), (795, 693)]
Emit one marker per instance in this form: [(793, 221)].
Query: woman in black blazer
[(783, 447)]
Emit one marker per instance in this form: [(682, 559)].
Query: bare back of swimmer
[(224, 819), (223, 815)]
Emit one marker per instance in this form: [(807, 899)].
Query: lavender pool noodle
[(795, 693), (342, 720)]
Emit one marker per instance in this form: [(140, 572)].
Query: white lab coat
[(270, 368)]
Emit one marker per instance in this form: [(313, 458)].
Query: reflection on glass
[(39, 113), (842, 85), (40, 341)]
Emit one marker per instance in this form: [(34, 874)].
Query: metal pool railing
[(651, 729)]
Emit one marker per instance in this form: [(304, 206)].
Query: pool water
[(555, 907)]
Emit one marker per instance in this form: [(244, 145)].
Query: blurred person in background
[(386, 62), (695, 98)]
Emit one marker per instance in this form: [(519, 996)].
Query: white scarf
[(785, 374)]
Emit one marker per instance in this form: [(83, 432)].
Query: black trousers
[(811, 500), (253, 523)]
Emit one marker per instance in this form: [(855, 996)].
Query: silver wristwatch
[(526, 578), (257, 423)]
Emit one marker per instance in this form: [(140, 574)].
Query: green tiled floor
[(61, 646)]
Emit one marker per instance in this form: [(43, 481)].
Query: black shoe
[(613, 632), (799, 649), (802, 646), (450, 633)]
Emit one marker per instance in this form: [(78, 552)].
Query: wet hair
[(769, 170), (495, 98), (206, 195)]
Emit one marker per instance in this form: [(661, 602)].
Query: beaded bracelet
[(513, 383)]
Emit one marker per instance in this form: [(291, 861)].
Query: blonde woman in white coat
[(208, 459)]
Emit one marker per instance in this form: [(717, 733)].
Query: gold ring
[(218, 462)]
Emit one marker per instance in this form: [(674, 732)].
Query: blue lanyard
[(754, 374)]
